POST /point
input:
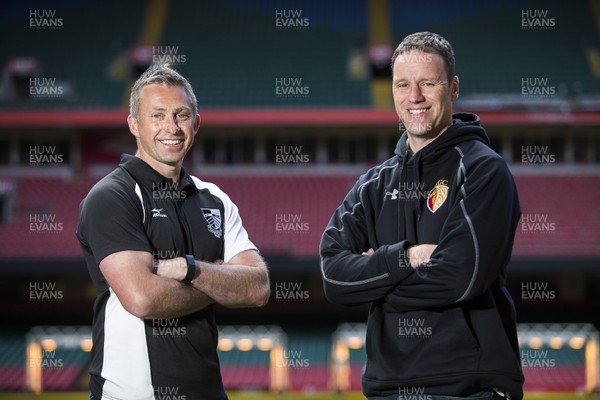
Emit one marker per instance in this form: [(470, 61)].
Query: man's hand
[(241, 282), (147, 295), (174, 268), (419, 254)]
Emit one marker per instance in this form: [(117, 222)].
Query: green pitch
[(271, 396)]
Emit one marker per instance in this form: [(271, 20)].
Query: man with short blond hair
[(162, 247)]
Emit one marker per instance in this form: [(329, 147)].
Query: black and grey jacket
[(447, 327)]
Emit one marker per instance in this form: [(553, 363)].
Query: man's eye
[(428, 84), (402, 85), (156, 117), (183, 116)]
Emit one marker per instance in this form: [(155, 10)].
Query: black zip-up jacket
[(448, 327)]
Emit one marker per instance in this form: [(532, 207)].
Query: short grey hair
[(428, 42), (160, 74)]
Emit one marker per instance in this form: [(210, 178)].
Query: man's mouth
[(417, 111), (171, 142)]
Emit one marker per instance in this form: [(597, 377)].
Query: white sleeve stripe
[(138, 191), (476, 245), (462, 170), (351, 283), (360, 189), (364, 281)]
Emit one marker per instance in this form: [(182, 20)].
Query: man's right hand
[(420, 254)]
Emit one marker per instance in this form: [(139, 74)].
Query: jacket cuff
[(394, 257)]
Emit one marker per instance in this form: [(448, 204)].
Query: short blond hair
[(160, 74)]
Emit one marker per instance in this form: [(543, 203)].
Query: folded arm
[(145, 294), (241, 282)]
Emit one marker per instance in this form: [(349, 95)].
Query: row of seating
[(202, 37), (287, 215)]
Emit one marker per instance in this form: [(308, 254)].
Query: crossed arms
[(241, 282), (473, 250)]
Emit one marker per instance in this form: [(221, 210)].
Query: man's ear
[(196, 125), (133, 125), (454, 88)]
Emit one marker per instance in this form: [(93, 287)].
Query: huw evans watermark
[(417, 55), (293, 359), (412, 191), (44, 291), (168, 393), (537, 87), (48, 359), (413, 393), (45, 88), (291, 19), (540, 359), (167, 190), (44, 223), (45, 155), (537, 19), (290, 291), (291, 155), (291, 223), (291, 87), (537, 155), (414, 328), (537, 291), (417, 256), (537, 223), (168, 55), (44, 19), (168, 327)]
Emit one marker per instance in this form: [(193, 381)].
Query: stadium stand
[(232, 70), (286, 214)]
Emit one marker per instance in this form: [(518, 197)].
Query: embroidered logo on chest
[(437, 195), (213, 218)]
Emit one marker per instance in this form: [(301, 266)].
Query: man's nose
[(415, 95), (170, 125)]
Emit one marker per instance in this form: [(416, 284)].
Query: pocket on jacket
[(419, 344)]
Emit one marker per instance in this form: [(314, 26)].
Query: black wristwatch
[(191, 269)]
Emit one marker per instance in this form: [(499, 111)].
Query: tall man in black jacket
[(425, 237)]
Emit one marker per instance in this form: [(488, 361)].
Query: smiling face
[(165, 127), (423, 96)]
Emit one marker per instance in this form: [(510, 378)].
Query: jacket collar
[(148, 176)]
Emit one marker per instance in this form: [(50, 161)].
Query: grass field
[(272, 396)]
